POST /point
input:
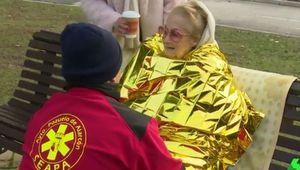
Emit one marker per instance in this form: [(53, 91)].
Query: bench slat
[(284, 156), (42, 67), (20, 112), (288, 127), (36, 98), (43, 56), (14, 113), (44, 79), (288, 143), (11, 145), (37, 44), (293, 100), (47, 36), (43, 90), (11, 132), (276, 167), (22, 105), (295, 88), (12, 119), (292, 114)]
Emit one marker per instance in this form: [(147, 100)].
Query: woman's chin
[(170, 53)]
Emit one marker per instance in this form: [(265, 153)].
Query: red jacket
[(85, 129)]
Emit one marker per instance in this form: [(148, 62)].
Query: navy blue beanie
[(90, 54)]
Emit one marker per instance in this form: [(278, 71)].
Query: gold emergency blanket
[(203, 118)]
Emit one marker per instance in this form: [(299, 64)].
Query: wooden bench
[(41, 77)]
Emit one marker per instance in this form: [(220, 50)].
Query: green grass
[(20, 19), (268, 52)]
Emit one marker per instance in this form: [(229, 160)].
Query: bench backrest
[(40, 78), (288, 142), (41, 74)]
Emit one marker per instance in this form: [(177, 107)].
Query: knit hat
[(90, 54)]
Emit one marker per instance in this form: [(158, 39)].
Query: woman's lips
[(170, 48)]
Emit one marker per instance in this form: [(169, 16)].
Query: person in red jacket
[(86, 127)]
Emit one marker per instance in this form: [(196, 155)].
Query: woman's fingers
[(120, 27)]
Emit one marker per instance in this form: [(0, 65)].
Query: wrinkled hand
[(120, 27)]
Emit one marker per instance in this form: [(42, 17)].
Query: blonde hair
[(200, 18)]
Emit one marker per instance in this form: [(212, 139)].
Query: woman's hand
[(120, 27)]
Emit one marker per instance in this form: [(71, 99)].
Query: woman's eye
[(176, 33)]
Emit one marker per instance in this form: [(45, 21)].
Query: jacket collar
[(109, 89)]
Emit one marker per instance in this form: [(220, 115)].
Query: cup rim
[(131, 14)]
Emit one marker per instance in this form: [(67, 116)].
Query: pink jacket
[(153, 13)]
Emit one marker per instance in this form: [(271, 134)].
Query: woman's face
[(177, 37)]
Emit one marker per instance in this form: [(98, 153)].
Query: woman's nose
[(167, 38)]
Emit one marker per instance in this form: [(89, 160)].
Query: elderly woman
[(107, 14), (181, 78)]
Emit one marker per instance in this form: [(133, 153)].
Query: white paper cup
[(132, 20)]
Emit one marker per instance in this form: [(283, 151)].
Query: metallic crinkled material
[(203, 118)]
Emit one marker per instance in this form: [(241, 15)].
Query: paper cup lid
[(130, 14)]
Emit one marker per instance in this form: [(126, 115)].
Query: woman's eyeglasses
[(174, 34)]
